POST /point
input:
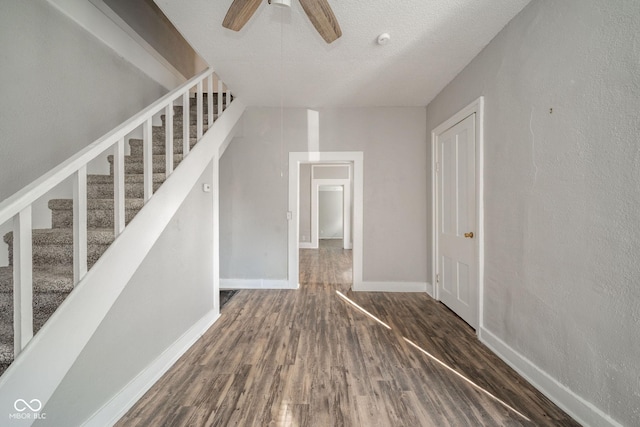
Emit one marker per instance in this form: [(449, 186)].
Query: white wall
[(254, 197), (330, 213), (169, 293), (61, 89), (562, 173), (305, 203)]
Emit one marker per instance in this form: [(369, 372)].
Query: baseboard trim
[(393, 287), (582, 411), (232, 284), (306, 245), (115, 409)]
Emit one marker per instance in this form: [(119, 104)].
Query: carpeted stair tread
[(158, 147), (159, 159), (132, 190), (50, 278), (128, 178), (178, 120), (100, 212), (159, 134), (135, 165), (64, 236), (95, 204)]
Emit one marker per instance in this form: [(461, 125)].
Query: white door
[(457, 267)]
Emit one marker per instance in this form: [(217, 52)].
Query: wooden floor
[(311, 358)]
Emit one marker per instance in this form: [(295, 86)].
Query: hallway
[(311, 357)]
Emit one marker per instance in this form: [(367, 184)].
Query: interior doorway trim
[(295, 160), (476, 107), (346, 210)]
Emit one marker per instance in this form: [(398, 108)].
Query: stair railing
[(19, 206)]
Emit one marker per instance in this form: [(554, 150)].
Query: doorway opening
[(324, 221), (325, 186)]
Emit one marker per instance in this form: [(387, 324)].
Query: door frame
[(477, 108), (346, 210), (297, 158)]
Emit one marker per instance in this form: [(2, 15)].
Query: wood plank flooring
[(310, 357)]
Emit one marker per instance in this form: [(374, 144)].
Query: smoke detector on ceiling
[(285, 3), (384, 39)]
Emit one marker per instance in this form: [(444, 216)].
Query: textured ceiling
[(278, 56)]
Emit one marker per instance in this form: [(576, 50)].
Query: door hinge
[(437, 278), (437, 167)]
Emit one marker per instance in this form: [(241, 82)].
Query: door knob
[(469, 235)]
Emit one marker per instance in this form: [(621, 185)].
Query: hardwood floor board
[(200, 416), (298, 387), (307, 357), (341, 396), (232, 396), (372, 356), (398, 412), (369, 413)]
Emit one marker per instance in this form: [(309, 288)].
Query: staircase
[(53, 248)]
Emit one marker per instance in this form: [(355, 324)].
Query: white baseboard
[(393, 287), (582, 411), (115, 409), (254, 284), (306, 245)]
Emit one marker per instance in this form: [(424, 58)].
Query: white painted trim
[(226, 284), (346, 209), (295, 159), (476, 107), (394, 287), (93, 20), (215, 187), (305, 245), (582, 411), (119, 404)]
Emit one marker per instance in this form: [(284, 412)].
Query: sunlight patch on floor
[(344, 297), (435, 359)]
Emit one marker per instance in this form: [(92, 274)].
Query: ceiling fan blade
[(239, 13), (322, 17)]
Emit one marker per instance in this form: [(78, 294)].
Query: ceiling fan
[(318, 11)]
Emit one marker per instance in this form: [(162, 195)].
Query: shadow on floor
[(225, 296)]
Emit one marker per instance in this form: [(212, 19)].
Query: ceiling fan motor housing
[(286, 3)]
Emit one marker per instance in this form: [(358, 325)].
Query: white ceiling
[(278, 56)]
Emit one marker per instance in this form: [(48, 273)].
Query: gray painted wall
[(561, 192), (61, 89), (254, 189), (330, 213), (170, 292)]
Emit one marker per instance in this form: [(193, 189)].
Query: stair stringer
[(43, 364)]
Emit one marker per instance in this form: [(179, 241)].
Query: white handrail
[(19, 206), (29, 194)]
